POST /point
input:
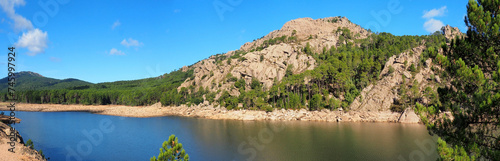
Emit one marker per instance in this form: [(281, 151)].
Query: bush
[(397, 106), (242, 59), (29, 144), (289, 70), (210, 97), (197, 100), (267, 108), (231, 78), (41, 153), (391, 70), (315, 102), (240, 84), (419, 108), (255, 84), (334, 103), (412, 68)]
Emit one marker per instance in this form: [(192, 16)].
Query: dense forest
[(137, 92)]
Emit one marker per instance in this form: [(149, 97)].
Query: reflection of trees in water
[(301, 140)]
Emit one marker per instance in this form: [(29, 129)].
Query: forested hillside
[(33, 81), (137, 92)]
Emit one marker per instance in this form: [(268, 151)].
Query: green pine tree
[(474, 98), (171, 150)]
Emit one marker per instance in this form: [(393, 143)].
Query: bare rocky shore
[(21, 152), (211, 112)]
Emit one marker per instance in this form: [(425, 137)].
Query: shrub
[(289, 70), (255, 84), (240, 84), (29, 144), (231, 78), (334, 103), (391, 70), (267, 108), (242, 59), (412, 68), (315, 102)]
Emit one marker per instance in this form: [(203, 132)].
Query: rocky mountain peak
[(304, 29), (30, 73), (267, 59), (451, 32)]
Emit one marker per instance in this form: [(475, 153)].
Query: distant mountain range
[(27, 80)]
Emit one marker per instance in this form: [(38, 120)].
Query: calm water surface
[(86, 136)]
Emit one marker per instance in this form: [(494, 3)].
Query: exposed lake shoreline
[(211, 112), (12, 145)]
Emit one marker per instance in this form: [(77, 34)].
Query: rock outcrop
[(322, 31), (269, 65), (276, 59), (451, 32), (22, 153), (6, 119), (381, 95)]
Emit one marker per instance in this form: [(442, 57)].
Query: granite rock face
[(270, 64), (451, 32)]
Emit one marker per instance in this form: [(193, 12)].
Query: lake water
[(79, 135)]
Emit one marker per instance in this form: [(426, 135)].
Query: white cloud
[(433, 25), (35, 40), (131, 42), (116, 24), (435, 12), (20, 23), (177, 10), (116, 52)]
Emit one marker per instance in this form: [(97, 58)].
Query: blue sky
[(103, 41)]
